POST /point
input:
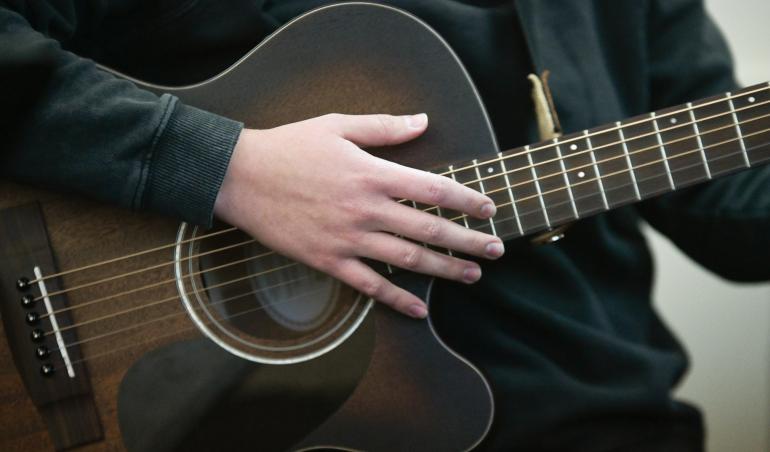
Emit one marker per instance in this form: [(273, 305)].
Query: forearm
[(71, 126)]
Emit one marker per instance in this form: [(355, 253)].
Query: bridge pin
[(47, 370), (22, 284), (27, 301)]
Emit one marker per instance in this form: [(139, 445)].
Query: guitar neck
[(542, 186)]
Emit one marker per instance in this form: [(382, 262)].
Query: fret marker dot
[(752, 99), (490, 170), (573, 147), (581, 174), (673, 120)]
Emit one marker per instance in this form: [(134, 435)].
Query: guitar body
[(391, 384)]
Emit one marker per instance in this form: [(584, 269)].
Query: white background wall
[(725, 326)]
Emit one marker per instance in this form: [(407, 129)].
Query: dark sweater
[(576, 354)]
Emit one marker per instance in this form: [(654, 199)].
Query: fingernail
[(495, 249), (418, 311), (417, 121), (488, 210), (471, 275)]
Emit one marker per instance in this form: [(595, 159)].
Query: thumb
[(380, 130)]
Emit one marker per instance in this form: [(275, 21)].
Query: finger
[(362, 278), (436, 190), (411, 256), (379, 130), (428, 228)]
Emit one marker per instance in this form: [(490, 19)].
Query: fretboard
[(542, 186)]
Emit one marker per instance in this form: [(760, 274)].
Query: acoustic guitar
[(130, 331)]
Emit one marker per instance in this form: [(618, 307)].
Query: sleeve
[(67, 125), (725, 224)]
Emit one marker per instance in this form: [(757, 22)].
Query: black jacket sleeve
[(724, 224), (68, 125)]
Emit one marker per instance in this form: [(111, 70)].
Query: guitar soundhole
[(258, 304)]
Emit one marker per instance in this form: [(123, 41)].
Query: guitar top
[(287, 359)]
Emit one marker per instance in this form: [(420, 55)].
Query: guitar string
[(427, 210), (520, 216), (628, 170), (655, 147), (145, 269), (649, 120), (557, 143), (142, 288), (171, 280), (189, 327), (125, 257), (273, 269), (765, 87), (590, 149), (179, 331), (183, 311)]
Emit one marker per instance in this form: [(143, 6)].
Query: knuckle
[(359, 211), (437, 190), (458, 267), (326, 263), (411, 257), (369, 181), (332, 117), (372, 288), (433, 231), (366, 213), (355, 240), (473, 201), (386, 124)]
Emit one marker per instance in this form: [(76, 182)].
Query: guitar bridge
[(51, 314), (41, 343)]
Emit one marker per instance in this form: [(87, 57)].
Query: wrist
[(224, 202)]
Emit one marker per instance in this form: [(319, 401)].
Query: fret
[(510, 194), (629, 162), (483, 192), (531, 212), (718, 135), (662, 151), (599, 181), (495, 186), (698, 138), (463, 219), (682, 148), (580, 175), (738, 129), (644, 153), (468, 175), (754, 119), (548, 167), (537, 186), (566, 178), (613, 165)]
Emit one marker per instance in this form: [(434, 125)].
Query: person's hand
[(307, 191)]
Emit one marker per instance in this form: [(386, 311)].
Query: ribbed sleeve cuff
[(188, 163)]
